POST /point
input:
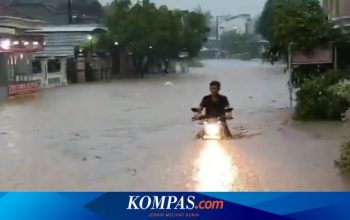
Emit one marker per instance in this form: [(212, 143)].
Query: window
[(36, 67), (54, 81), (53, 65)]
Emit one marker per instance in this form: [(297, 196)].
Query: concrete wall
[(3, 93), (344, 9), (337, 8), (3, 77)]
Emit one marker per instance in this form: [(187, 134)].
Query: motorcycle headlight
[(212, 129)]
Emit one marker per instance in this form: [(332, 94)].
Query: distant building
[(60, 47), (337, 8)]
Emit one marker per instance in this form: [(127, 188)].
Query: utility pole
[(290, 72), (69, 4), (217, 32), (217, 28)]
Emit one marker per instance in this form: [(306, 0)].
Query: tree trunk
[(139, 67)]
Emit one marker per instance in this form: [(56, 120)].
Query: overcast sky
[(217, 7)]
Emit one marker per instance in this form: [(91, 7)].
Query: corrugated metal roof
[(61, 40), (70, 28), (61, 44)]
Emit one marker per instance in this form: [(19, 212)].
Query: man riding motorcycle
[(215, 106)]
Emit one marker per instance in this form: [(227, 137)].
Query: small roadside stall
[(17, 51), (49, 71)]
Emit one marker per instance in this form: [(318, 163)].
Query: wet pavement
[(136, 135)]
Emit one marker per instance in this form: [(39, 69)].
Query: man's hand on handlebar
[(198, 117), (229, 117)]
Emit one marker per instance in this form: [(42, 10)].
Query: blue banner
[(139, 206)]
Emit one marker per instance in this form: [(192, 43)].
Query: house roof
[(6, 10), (35, 4), (70, 28), (41, 11), (47, 2)]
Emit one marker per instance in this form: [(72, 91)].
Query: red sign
[(22, 88)]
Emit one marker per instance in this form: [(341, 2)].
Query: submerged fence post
[(290, 84)]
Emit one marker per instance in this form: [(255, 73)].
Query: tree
[(304, 25), (95, 9), (302, 22), (207, 14), (166, 38), (238, 44), (156, 33), (91, 8), (194, 32), (264, 23)]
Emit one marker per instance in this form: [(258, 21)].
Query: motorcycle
[(212, 128)]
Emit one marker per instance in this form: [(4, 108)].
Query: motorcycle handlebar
[(201, 118)]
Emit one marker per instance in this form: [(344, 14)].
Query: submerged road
[(136, 135)]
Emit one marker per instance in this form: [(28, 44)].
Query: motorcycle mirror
[(195, 110), (229, 110)]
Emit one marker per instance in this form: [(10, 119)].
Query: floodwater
[(137, 135)]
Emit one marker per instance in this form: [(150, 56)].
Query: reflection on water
[(214, 169), (24, 99)]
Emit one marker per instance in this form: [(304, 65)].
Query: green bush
[(342, 89), (343, 163), (303, 73), (315, 99)]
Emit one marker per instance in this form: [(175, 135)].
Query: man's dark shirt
[(214, 109)]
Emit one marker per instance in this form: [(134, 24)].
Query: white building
[(50, 65)]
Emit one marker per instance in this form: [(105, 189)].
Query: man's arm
[(228, 115), (202, 105), (200, 108), (226, 102)]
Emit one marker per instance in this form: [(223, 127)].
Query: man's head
[(215, 87)]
